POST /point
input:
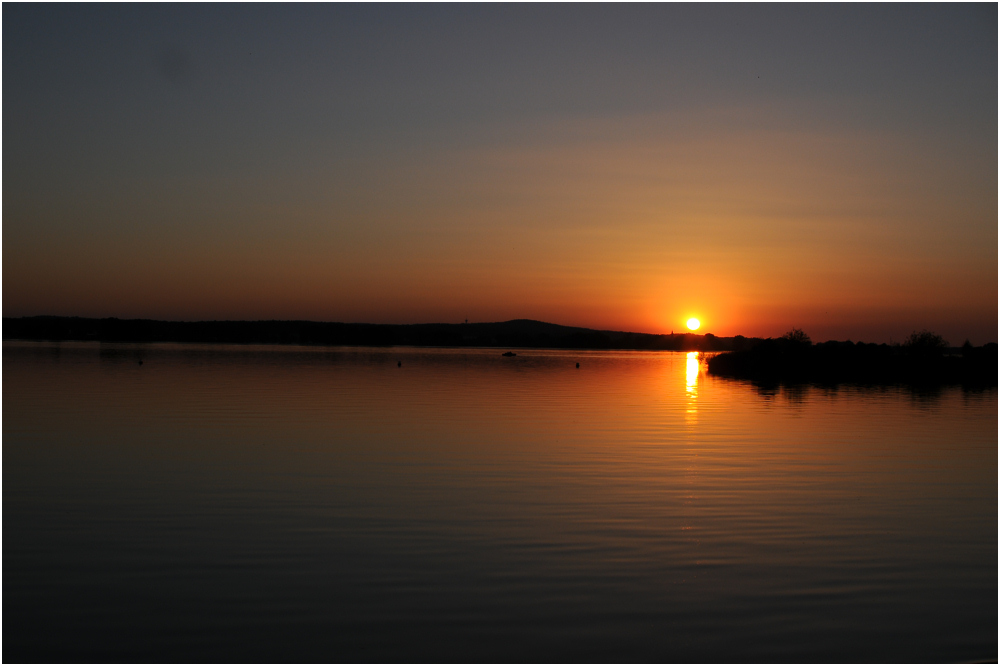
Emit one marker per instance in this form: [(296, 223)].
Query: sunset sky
[(829, 167)]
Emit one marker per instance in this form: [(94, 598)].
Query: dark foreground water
[(300, 504)]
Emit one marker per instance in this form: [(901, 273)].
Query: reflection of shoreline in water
[(918, 396)]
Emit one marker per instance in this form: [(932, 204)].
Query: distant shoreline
[(764, 361), (516, 334)]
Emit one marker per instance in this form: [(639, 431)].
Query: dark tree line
[(924, 358)]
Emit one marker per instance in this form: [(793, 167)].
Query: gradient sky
[(831, 167)]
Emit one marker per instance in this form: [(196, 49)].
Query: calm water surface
[(295, 504)]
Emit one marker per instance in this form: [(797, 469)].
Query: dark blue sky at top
[(158, 86)]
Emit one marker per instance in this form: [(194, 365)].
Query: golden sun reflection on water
[(692, 374), (691, 387)]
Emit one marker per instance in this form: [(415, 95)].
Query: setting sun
[(693, 324)]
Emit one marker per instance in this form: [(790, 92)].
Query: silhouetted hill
[(518, 333), (785, 361)]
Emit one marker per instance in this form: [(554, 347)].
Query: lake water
[(240, 503)]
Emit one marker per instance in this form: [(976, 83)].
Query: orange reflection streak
[(691, 386), (692, 374)]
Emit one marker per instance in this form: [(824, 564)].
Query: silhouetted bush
[(925, 343), (797, 336)]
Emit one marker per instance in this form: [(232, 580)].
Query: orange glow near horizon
[(747, 226)]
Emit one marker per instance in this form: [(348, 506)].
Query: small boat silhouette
[(508, 354)]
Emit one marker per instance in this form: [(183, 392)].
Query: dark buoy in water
[(399, 364), (140, 361), (578, 365)]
